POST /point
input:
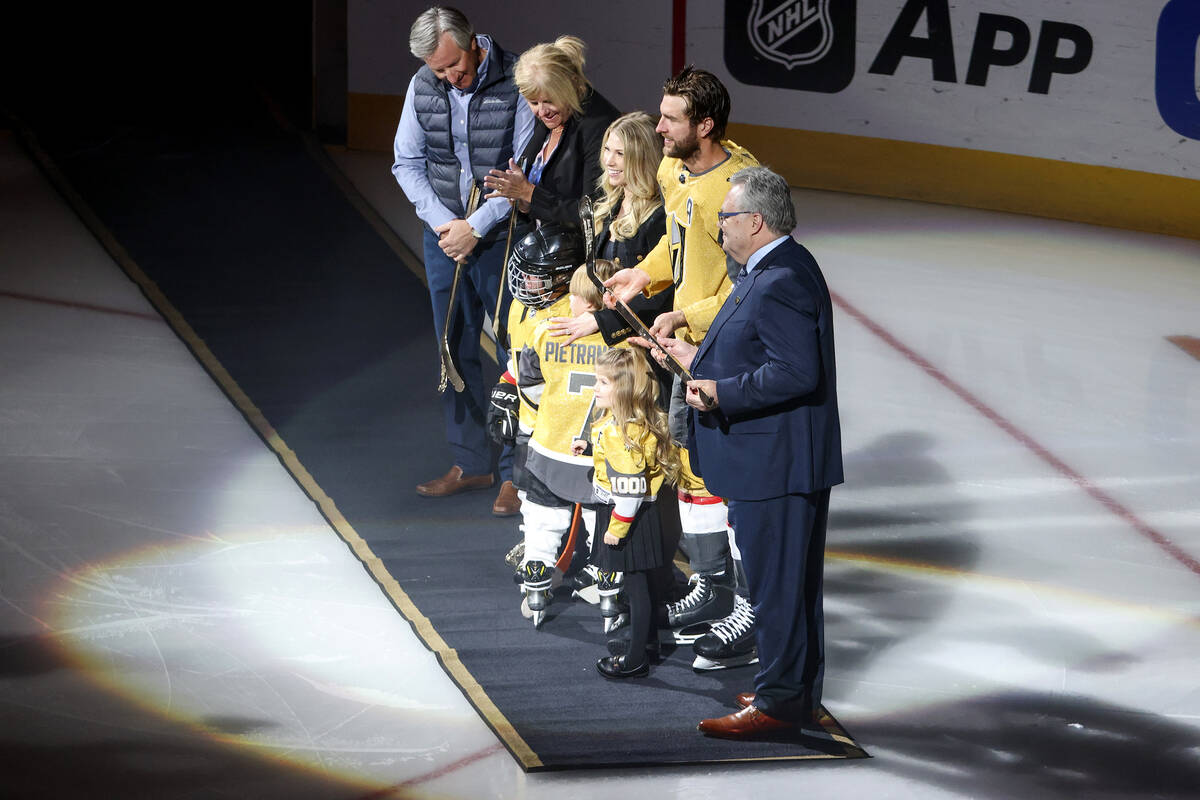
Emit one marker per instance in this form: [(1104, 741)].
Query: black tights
[(642, 593)]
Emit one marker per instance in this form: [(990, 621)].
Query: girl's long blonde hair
[(635, 408), (643, 152)]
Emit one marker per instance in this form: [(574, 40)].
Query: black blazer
[(630, 252), (574, 166)]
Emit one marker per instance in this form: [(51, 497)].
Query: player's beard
[(683, 149)]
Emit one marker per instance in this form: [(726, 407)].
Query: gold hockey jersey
[(624, 476), (521, 323), (690, 255), (558, 378)]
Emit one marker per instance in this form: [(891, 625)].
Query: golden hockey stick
[(449, 371), (588, 224)]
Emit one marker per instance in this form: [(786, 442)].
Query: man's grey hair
[(767, 193), (427, 31)]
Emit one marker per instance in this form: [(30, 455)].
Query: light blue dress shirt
[(761, 253), (409, 152)]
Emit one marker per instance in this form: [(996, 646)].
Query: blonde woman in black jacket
[(629, 221), (558, 166)]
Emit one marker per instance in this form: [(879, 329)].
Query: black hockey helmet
[(541, 264)]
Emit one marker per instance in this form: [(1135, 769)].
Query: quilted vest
[(491, 119)]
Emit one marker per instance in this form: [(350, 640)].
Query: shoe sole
[(785, 733), (456, 490), (702, 664), (636, 674)]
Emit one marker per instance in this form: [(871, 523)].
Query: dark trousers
[(783, 552), (466, 411)]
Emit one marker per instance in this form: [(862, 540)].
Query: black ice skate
[(692, 616), (537, 579), (730, 641), (612, 608)]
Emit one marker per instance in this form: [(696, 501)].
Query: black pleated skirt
[(640, 551)]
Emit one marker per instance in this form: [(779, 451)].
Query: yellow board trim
[(1118, 198)]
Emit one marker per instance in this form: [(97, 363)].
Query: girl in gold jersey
[(633, 454)]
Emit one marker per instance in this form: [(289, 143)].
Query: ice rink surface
[(1013, 566)]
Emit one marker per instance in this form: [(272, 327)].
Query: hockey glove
[(502, 413)]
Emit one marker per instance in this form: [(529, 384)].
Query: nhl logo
[(792, 44), (792, 32)]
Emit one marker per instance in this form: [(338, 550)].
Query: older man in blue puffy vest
[(462, 117)]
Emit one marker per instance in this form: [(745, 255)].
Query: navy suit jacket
[(770, 350)]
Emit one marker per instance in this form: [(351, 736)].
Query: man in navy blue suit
[(765, 435)]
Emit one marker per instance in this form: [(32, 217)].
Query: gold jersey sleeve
[(690, 255)]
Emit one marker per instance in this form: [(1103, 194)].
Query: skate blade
[(690, 633), (703, 664), (588, 594), (538, 618), (615, 623)]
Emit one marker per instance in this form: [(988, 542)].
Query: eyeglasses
[(724, 215)]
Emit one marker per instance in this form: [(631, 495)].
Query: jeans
[(466, 411)]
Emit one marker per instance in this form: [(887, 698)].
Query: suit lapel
[(730, 307)]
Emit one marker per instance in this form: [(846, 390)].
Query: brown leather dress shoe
[(745, 724), (744, 699), (454, 482), (508, 503)]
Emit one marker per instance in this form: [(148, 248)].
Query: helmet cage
[(542, 262), (536, 286)]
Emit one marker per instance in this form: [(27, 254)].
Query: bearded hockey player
[(693, 176)]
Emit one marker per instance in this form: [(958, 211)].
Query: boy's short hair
[(582, 286)]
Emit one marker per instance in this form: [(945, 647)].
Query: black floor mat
[(322, 336)]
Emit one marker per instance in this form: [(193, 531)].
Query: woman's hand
[(625, 284), (574, 327), (611, 539), (510, 184)]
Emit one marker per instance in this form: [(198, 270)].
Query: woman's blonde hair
[(554, 70), (582, 286), (642, 147), (634, 406)]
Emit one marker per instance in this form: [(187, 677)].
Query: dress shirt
[(758, 256), (409, 151)]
